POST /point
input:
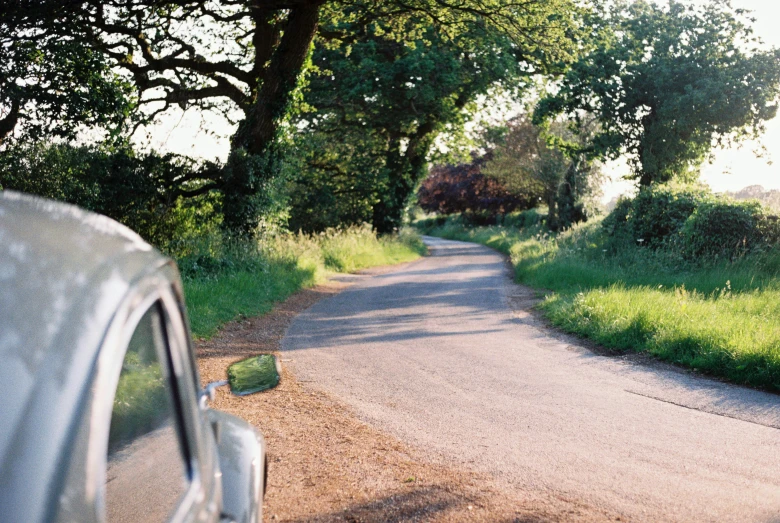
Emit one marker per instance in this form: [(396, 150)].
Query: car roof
[(63, 273)]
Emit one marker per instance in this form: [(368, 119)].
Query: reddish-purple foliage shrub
[(450, 189)]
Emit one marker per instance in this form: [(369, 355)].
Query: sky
[(731, 170)]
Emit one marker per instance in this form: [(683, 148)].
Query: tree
[(335, 178), (407, 81), (405, 92), (769, 198), (143, 191), (528, 160), (51, 81), (524, 162), (450, 189), (244, 59), (668, 82)]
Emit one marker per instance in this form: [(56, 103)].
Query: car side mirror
[(254, 374), (247, 376)]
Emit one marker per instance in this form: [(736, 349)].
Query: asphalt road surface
[(440, 353)]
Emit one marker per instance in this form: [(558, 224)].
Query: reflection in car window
[(147, 472)]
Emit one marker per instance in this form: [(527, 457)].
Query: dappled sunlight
[(247, 280), (436, 354), (453, 302)]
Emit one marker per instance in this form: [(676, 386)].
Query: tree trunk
[(255, 158), (552, 218), (8, 123), (259, 130), (647, 161), (404, 172), (567, 197), (388, 211)]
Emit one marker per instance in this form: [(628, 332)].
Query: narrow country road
[(436, 354)]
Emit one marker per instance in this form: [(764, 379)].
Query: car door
[(148, 462), (158, 465)]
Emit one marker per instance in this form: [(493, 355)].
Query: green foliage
[(545, 33), (690, 221), (655, 216), (525, 162), (390, 84), (524, 219), (142, 191), (251, 188), (531, 218), (723, 228), (52, 82), (392, 98), (334, 182), (247, 61), (528, 160), (357, 248), (668, 81), (225, 281), (725, 335), (713, 315)]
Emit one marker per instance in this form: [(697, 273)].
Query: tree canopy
[(345, 102), (52, 82), (403, 80), (528, 161), (402, 93), (667, 82), (245, 59)]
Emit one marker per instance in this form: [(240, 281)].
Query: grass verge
[(720, 318), (222, 283)]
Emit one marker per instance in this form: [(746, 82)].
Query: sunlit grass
[(225, 283), (719, 317)]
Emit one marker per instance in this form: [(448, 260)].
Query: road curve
[(434, 354)]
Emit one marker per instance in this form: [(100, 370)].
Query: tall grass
[(720, 317), (225, 282)]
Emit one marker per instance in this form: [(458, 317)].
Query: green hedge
[(691, 221)]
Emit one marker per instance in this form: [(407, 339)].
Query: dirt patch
[(327, 465)]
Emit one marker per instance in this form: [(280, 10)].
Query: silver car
[(102, 416)]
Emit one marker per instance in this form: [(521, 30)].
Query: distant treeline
[(768, 198)]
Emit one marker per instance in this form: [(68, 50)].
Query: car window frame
[(146, 293)]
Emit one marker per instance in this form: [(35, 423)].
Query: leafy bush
[(451, 189), (334, 179), (531, 218), (136, 190), (723, 228), (523, 219), (428, 223), (690, 221), (655, 216)]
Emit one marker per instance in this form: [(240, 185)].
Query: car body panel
[(242, 460), (60, 282), (70, 281)]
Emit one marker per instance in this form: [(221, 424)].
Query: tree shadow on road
[(430, 503)]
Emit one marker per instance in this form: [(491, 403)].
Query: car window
[(147, 468)]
